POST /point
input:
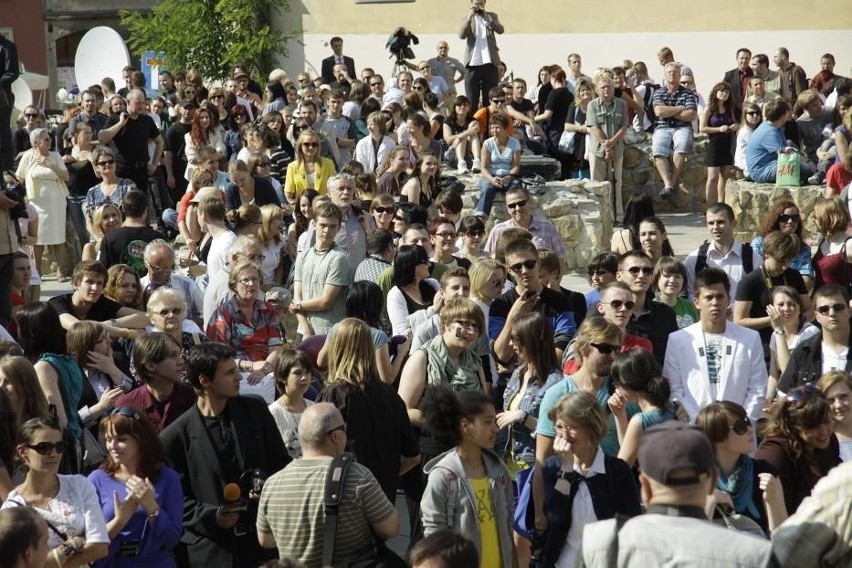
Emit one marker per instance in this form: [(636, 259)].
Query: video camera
[(399, 44)]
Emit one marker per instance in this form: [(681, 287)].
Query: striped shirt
[(291, 509), (682, 97)]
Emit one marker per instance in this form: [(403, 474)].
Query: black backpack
[(701, 262), (648, 105)]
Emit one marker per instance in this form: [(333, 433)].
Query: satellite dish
[(101, 53), (23, 94)]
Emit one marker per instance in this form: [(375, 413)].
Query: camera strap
[(334, 480)]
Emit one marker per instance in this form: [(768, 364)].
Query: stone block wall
[(751, 201), (580, 210)]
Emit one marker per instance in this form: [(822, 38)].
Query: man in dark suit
[(224, 439), (738, 79), (338, 58)]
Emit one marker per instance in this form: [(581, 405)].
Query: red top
[(832, 268), (630, 342)]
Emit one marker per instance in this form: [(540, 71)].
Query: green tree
[(209, 35)]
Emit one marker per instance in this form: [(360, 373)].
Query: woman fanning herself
[(377, 426), (719, 123), (787, 316), (77, 534), (837, 387), (141, 498), (669, 284), (422, 187), (638, 378), (468, 488), (798, 442), (745, 484)]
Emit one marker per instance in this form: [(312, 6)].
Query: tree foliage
[(209, 35)]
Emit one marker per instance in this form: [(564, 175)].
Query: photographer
[(478, 29), (9, 244)]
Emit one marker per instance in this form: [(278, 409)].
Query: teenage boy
[(339, 124)]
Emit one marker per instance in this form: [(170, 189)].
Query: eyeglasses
[(784, 218), (127, 412), (383, 210), (376, 84), (106, 163), (498, 101), (645, 270), (796, 396), (475, 234), (309, 144), (598, 271), (249, 280), (166, 311), (826, 309), (618, 304), (753, 113), (45, 448), (516, 204), (254, 257), (31, 115), (606, 348), (341, 428), (446, 235), (529, 264), (741, 426)]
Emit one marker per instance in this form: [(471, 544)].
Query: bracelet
[(154, 515), (779, 332)]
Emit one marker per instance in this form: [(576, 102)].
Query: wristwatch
[(569, 476), (297, 306)]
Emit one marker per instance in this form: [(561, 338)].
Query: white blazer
[(743, 378), (364, 152)]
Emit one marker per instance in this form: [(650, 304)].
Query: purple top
[(142, 543), (718, 119)]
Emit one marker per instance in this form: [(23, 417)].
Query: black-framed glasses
[(635, 270), (498, 101), (785, 218), (381, 209), (529, 264), (376, 84), (741, 426), (31, 115), (341, 428), (606, 348), (127, 412), (309, 144), (106, 163), (804, 392), (45, 448), (618, 304), (517, 204), (826, 309), (598, 271)]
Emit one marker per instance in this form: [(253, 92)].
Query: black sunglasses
[(741, 426), (45, 448), (618, 304), (474, 234), (383, 209), (516, 204), (804, 392), (606, 348), (598, 271), (529, 264), (784, 218), (635, 270), (838, 307), (127, 412), (752, 113)]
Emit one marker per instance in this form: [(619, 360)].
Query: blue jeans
[(75, 208), (487, 192), (170, 218)]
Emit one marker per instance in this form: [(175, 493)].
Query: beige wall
[(708, 45)]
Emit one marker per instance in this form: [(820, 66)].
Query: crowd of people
[(280, 322)]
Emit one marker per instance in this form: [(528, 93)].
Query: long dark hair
[(39, 330), (127, 421), (8, 429), (405, 263), (365, 301), (728, 105), (638, 370), (638, 207), (803, 409), (771, 222), (534, 335), (443, 410)]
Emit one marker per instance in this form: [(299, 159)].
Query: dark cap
[(239, 73), (674, 453)]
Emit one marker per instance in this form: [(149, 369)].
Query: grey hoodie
[(449, 501)]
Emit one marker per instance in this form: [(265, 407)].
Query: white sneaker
[(475, 167), (462, 169)]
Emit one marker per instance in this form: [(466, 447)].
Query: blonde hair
[(594, 330), (268, 214), (831, 215), (582, 410), (352, 356), (98, 219), (480, 274)]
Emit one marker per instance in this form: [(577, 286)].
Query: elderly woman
[(167, 310), (111, 189), (247, 324), (373, 150), (45, 176)]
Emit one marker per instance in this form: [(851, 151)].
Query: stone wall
[(751, 201), (580, 210)]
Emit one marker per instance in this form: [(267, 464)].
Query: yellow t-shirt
[(489, 540)]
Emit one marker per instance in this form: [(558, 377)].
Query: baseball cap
[(674, 453), (278, 296), (204, 193), (238, 74)]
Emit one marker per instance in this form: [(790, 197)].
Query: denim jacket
[(523, 440)]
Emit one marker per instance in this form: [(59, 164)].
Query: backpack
[(648, 106), (701, 262)]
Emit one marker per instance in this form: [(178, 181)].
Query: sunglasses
[(376, 84), (796, 396), (606, 348), (826, 309), (635, 270), (618, 304), (475, 234), (383, 209), (106, 163), (752, 113), (31, 115), (45, 448), (741, 426), (127, 412), (784, 218), (166, 311), (529, 264), (498, 101), (598, 272), (309, 144), (516, 204)]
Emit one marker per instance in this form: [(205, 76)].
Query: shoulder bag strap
[(334, 480)]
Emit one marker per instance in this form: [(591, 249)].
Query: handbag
[(566, 142), (737, 522), (787, 169)]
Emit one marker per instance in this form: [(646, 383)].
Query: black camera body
[(399, 44), (18, 194)]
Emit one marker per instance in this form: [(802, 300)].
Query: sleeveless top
[(428, 294), (70, 380), (831, 268), (656, 416)]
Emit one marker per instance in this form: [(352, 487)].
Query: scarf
[(440, 370), (740, 486)]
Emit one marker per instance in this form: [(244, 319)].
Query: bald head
[(317, 421)]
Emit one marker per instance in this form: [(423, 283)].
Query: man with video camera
[(9, 244), (481, 56)]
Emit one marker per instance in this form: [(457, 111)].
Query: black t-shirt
[(656, 322), (553, 305), (175, 141), (126, 245), (755, 287), (543, 93), (102, 310), (558, 102), (132, 140), (522, 107)]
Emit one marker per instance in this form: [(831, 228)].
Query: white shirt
[(582, 513), (480, 54), (833, 361), (730, 263), (217, 257)]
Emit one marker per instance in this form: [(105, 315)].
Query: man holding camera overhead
[(481, 55)]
